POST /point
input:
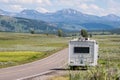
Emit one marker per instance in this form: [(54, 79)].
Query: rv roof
[(83, 40)]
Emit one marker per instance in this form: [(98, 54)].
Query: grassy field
[(109, 50), (108, 67), (19, 48)]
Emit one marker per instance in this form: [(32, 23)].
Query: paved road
[(56, 60)]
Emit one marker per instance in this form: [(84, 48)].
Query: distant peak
[(29, 11), (68, 11), (112, 15), (1, 10)]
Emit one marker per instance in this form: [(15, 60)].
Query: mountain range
[(15, 24), (70, 19)]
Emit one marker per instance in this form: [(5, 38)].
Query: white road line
[(35, 75), (32, 76)]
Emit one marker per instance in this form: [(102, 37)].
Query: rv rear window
[(81, 49)]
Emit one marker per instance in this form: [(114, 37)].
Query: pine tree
[(84, 33), (60, 33)]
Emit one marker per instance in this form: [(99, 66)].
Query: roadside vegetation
[(108, 67), (19, 48)]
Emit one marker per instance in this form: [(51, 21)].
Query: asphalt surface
[(54, 61)]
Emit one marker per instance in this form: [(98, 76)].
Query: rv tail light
[(71, 62)]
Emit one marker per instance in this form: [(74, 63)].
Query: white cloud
[(95, 7), (113, 7), (48, 2), (4, 1), (18, 5), (39, 1), (15, 8), (76, 1), (24, 1), (95, 10), (85, 6), (90, 9), (42, 10), (88, 0), (16, 1), (78, 4)]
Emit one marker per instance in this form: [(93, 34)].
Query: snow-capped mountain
[(71, 19)]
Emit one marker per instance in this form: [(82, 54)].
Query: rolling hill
[(15, 24)]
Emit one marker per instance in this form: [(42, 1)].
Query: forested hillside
[(14, 24)]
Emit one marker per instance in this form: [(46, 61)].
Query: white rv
[(83, 52)]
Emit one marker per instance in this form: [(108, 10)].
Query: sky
[(93, 7)]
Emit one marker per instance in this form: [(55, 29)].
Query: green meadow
[(20, 48), (108, 67)]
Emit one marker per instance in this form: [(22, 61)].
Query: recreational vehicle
[(83, 52)]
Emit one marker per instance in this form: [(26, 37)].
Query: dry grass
[(60, 78), (108, 67), (19, 48)]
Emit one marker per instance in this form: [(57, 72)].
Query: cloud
[(95, 10), (94, 7), (39, 1), (24, 1), (80, 5), (113, 7), (4, 1), (47, 2), (43, 10), (83, 6), (16, 7), (91, 9)]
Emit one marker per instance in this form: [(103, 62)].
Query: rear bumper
[(92, 64)]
